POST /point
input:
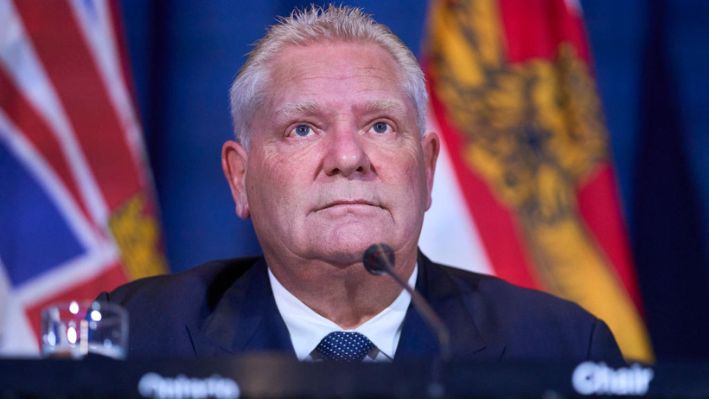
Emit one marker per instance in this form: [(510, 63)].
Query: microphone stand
[(378, 259)]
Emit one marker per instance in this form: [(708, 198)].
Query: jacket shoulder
[(501, 296), (161, 308), (203, 283), (533, 324)]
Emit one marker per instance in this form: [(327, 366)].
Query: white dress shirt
[(307, 328)]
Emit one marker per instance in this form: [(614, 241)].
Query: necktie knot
[(344, 346)]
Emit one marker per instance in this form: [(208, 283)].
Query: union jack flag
[(76, 201)]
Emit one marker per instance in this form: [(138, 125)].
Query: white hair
[(316, 25)]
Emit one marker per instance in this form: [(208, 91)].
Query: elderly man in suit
[(332, 155)]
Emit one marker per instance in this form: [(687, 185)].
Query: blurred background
[(649, 60)]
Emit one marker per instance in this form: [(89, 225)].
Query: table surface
[(275, 376)]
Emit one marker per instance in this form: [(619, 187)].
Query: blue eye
[(380, 127), (302, 130)]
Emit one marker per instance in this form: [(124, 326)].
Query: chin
[(345, 243), (343, 259), (343, 252)]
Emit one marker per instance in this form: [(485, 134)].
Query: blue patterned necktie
[(344, 346)]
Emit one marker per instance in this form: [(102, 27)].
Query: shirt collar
[(307, 328)]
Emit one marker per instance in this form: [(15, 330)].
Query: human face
[(336, 161)]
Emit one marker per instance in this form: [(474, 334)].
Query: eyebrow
[(298, 108), (312, 107), (383, 105)]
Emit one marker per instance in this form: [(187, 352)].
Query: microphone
[(379, 259)]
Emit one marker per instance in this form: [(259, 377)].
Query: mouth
[(348, 203)]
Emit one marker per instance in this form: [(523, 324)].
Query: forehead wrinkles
[(286, 68)]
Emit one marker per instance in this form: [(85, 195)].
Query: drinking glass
[(79, 329)]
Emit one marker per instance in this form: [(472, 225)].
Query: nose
[(346, 155)]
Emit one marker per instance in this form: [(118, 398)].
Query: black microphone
[(379, 259)]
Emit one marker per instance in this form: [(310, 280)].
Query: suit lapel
[(454, 307), (245, 319)]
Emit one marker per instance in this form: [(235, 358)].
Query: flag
[(525, 160), (76, 201)]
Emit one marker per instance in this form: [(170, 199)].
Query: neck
[(345, 294)]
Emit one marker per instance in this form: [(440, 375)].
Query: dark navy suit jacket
[(227, 307)]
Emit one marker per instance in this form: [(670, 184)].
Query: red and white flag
[(76, 202), (525, 187)]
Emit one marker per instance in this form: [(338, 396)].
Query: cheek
[(261, 179), (417, 191), (405, 183), (407, 169), (276, 182)]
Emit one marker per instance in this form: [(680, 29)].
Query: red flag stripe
[(25, 117), (124, 75), (98, 22), (501, 239), (536, 28), (601, 212), (72, 70)]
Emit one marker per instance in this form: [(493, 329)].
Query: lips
[(348, 202)]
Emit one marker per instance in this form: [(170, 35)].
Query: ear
[(234, 158), (431, 145)]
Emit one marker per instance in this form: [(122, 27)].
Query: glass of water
[(79, 329)]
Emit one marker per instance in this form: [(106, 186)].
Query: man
[(332, 156)]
